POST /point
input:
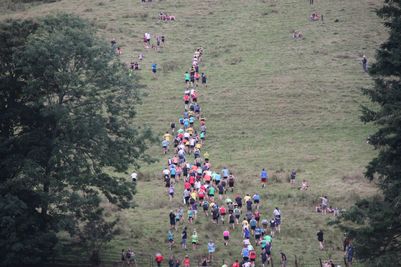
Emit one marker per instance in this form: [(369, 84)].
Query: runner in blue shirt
[(170, 238), (253, 224), (256, 200), (217, 178), (225, 173), (263, 177), (154, 68), (191, 120), (165, 144), (173, 172), (258, 234), (211, 247), (245, 254)]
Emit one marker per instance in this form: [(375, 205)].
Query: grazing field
[(271, 102)]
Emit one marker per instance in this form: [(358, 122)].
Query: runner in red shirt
[(222, 211), (159, 258), (252, 257), (187, 185), (186, 261), (235, 264)]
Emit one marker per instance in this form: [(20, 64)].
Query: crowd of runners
[(210, 193)]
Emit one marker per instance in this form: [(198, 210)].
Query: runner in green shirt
[(190, 216), (268, 238), (211, 191), (187, 77), (194, 239)]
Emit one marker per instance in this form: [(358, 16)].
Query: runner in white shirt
[(166, 172), (186, 135), (277, 218), (134, 176)]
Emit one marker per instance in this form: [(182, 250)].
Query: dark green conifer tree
[(66, 109), (375, 223)]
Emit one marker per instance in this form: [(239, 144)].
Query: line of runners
[(209, 191)]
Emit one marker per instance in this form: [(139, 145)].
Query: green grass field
[(271, 102)]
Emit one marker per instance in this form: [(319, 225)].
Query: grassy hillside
[(272, 102)]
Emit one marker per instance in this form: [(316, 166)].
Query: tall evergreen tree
[(67, 105), (377, 232)]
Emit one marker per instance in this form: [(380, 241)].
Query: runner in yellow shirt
[(245, 223), (194, 195), (167, 136)]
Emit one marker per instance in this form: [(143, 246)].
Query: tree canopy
[(66, 128), (377, 232)]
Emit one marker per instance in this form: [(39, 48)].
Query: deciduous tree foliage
[(66, 113), (377, 232)]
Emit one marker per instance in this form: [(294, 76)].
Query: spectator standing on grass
[(113, 44), (364, 63), (122, 256), (204, 79), (346, 242), (283, 260), (293, 175), (324, 204), (320, 239), (158, 41), (119, 51), (349, 254), (171, 262)]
